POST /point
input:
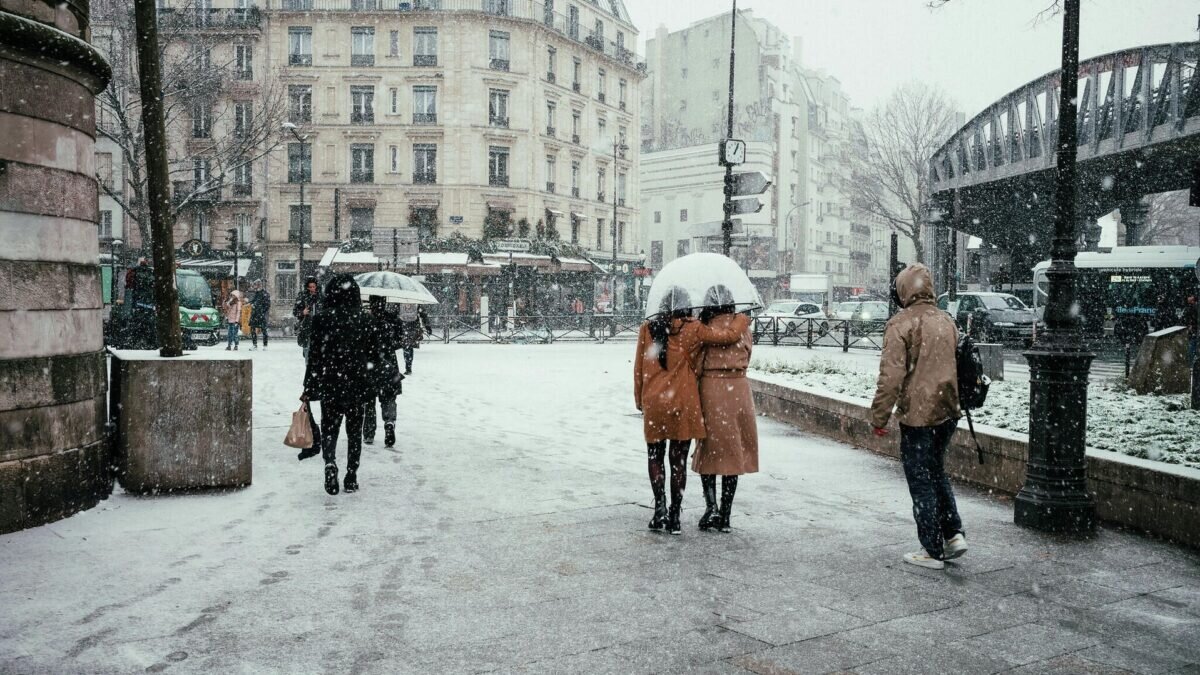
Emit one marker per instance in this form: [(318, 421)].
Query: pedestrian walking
[(260, 311), (730, 446), (233, 319), (414, 323), (918, 377), (666, 391), (338, 374), (305, 310), (385, 322), (577, 309)]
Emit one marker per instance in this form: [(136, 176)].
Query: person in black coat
[(387, 327), (342, 354), (305, 310), (259, 312), (414, 324)]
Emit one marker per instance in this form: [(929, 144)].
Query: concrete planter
[(1158, 498), (184, 423)]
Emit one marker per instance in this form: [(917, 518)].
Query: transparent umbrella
[(395, 287), (699, 280)]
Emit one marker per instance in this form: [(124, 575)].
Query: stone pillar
[(53, 447), (1133, 217)]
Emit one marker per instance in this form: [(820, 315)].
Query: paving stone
[(1028, 643), (819, 655), (800, 624), (1070, 664), (942, 659)]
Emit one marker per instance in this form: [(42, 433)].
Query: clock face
[(735, 151)]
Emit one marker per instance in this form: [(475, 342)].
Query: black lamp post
[(303, 216), (112, 268), (619, 147), (1055, 496)]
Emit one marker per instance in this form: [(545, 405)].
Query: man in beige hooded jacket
[(919, 378)]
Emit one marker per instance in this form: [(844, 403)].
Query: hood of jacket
[(914, 285)]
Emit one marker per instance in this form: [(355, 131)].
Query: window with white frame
[(424, 163), (104, 224), (425, 46), (498, 166), (424, 105), (498, 50), (394, 43), (300, 46), (362, 46), (498, 107), (362, 163), (551, 118), (551, 172), (394, 159)]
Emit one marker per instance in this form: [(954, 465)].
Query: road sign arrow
[(751, 205), (749, 183)]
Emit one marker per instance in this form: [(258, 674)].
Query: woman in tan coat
[(730, 444), (665, 390)]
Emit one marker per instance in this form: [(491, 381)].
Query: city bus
[(1130, 291)]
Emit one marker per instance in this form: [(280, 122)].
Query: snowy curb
[(1163, 499)]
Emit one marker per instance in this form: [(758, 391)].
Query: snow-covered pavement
[(506, 532)]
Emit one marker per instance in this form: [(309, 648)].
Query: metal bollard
[(845, 336)]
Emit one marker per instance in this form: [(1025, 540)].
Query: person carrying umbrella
[(729, 447), (386, 326), (341, 356), (414, 323), (665, 390)]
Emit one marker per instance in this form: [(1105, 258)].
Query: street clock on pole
[(732, 152)]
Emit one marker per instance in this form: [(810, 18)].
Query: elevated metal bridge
[(1138, 134)]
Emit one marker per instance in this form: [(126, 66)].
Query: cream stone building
[(434, 114)]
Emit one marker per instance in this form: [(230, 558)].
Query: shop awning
[(556, 213), (215, 266), (578, 216)]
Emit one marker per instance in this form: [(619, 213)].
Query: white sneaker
[(923, 559), (956, 546)]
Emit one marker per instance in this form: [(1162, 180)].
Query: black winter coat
[(261, 308), (386, 372), (304, 324), (342, 356)]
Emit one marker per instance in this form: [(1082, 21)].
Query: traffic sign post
[(396, 242), (747, 184)]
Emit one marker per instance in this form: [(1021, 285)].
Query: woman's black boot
[(673, 520), (728, 488), (331, 481), (709, 520), (659, 521)]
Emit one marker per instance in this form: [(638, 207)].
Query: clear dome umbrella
[(701, 280), (395, 287)]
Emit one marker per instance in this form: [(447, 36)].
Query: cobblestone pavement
[(506, 533)]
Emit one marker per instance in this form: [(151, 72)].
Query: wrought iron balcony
[(362, 60), (299, 59), (575, 139), (551, 77), (550, 186), (498, 64), (425, 59), (426, 178), (551, 131), (362, 176), (501, 122), (601, 97), (498, 181), (425, 118), (575, 192), (577, 87), (362, 117), (199, 17), (600, 196)]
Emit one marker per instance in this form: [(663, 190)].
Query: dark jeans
[(408, 358), (923, 451), (387, 404), (332, 413), (254, 330)]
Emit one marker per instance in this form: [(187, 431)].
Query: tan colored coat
[(730, 444), (917, 372), (670, 399)]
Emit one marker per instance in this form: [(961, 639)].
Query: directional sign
[(395, 242), (749, 183), (751, 205), (512, 245)]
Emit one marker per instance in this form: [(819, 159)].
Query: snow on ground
[(1161, 428)]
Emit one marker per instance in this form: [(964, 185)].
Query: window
[(548, 12), (394, 43), (243, 183), (551, 172), (393, 159), (243, 118), (621, 189), (424, 105), (299, 103), (601, 174), (299, 46), (425, 220), (201, 228), (424, 163), (600, 234), (200, 173), (658, 216), (551, 64), (362, 222), (621, 237), (104, 169), (498, 7), (683, 215), (394, 101), (362, 46), (683, 74), (601, 84), (574, 229), (598, 33), (299, 163), (300, 223), (362, 105), (364, 5), (243, 57), (498, 166), (622, 90), (683, 247), (841, 267), (201, 57), (425, 46), (828, 266), (576, 73), (575, 179), (829, 237), (601, 128), (498, 50), (285, 279), (551, 118), (201, 121), (622, 132), (575, 120), (104, 225), (244, 224), (498, 107), (573, 22), (362, 163)]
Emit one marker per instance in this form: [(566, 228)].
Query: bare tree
[(214, 111), (890, 178), (1170, 221)]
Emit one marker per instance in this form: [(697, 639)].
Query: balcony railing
[(575, 192), (551, 131), (601, 97), (248, 17), (498, 64), (243, 190), (575, 139), (621, 105), (362, 60), (860, 256), (425, 59), (551, 77), (205, 192), (533, 11), (501, 122), (620, 201), (498, 181), (299, 59), (427, 178), (294, 235), (550, 186), (362, 117), (576, 87), (362, 176), (425, 118), (600, 196)]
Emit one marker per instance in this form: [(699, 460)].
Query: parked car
[(991, 317), (793, 315), (865, 317)]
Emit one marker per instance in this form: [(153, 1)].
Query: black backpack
[(972, 383)]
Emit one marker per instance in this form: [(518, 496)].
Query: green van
[(132, 323)]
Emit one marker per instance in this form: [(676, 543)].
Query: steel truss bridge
[(1138, 134)]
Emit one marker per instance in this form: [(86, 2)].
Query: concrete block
[(993, 360), (1162, 365), (182, 423), (12, 496)]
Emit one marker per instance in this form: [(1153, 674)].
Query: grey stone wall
[(54, 457)]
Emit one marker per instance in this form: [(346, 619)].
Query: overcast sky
[(977, 50)]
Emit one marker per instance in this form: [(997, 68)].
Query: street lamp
[(619, 148), (112, 268), (288, 126), (787, 228)]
